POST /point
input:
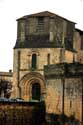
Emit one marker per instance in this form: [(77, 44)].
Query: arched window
[(36, 91), (34, 61), (48, 59)]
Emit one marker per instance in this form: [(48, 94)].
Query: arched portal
[(36, 91), (32, 86)]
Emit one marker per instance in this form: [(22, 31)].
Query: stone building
[(43, 38), (6, 76), (46, 39), (78, 44), (6, 79)]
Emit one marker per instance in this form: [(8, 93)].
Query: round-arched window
[(34, 61)]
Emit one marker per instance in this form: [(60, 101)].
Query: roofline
[(35, 15), (6, 73), (81, 32)]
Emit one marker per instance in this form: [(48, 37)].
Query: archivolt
[(28, 80)]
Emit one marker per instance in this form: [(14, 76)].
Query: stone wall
[(23, 61), (78, 44), (22, 113), (6, 76), (64, 80), (72, 98), (58, 30)]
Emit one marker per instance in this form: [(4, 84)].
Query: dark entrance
[(36, 91)]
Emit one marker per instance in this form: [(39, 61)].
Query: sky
[(10, 10)]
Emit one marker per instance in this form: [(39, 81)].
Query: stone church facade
[(42, 39), (46, 39)]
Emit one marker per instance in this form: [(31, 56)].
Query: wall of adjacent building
[(6, 76), (64, 80), (78, 45)]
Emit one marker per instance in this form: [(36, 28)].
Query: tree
[(5, 88)]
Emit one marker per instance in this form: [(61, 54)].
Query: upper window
[(34, 61), (40, 27), (48, 59)]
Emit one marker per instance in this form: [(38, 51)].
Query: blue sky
[(10, 10)]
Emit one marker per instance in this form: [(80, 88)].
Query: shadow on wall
[(55, 119), (22, 113), (31, 113)]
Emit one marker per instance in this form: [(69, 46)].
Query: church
[(45, 40), (42, 39)]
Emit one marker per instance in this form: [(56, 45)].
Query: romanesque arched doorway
[(32, 86), (36, 91)]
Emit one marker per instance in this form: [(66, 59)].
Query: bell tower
[(42, 38)]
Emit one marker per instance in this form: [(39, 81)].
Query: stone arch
[(27, 82)]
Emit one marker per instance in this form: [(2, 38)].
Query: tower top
[(44, 30), (43, 14)]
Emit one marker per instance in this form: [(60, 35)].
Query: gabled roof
[(43, 14)]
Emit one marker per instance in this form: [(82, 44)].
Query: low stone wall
[(25, 113)]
